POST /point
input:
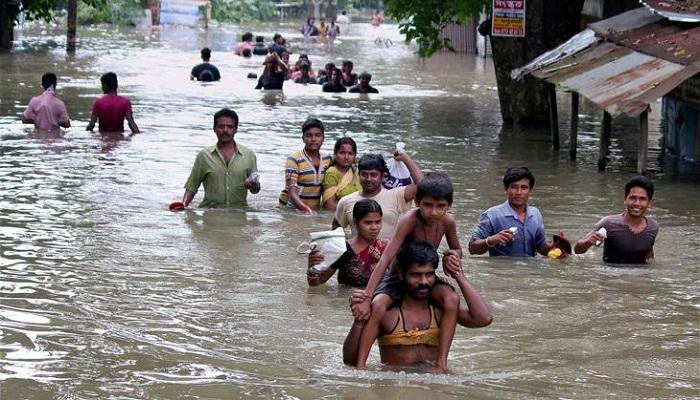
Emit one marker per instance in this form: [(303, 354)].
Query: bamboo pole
[(604, 141), (643, 142), (573, 139), (553, 117)]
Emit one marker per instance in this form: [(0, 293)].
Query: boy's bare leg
[(448, 301), (380, 304)]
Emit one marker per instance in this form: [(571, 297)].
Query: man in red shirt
[(111, 109)]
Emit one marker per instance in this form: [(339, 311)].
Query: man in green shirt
[(227, 170)]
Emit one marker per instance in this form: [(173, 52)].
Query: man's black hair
[(276, 36), (259, 39), (418, 252), (247, 37), (642, 182), (48, 79), (347, 62), (312, 123), (436, 185), (206, 53), (515, 174), (226, 112), (366, 75), (247, 53), (372, 162), (109, 80)]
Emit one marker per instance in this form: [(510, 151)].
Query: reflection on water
[(105, 293)]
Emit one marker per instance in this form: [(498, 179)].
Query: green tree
[(423, 20), (9, 11), (548, 24)]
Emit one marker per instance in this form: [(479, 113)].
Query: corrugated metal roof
[(679, 43), (676, 10), (650, 57), (616, 78), (577, 43), (625, 22)]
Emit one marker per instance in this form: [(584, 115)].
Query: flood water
[(104, 293)]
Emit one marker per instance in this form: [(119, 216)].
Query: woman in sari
[(363, 251), (341, 179)]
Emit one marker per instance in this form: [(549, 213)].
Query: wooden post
[(643, 141), (604, 141), (553, 117), (574, 126), (72, 25)]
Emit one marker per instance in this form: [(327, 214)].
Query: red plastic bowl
[(177, 206)]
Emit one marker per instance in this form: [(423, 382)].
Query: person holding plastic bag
[(363, 251), (394, 202), (341, 179), (398, 173)]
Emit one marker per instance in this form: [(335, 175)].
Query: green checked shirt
[(224, 185)]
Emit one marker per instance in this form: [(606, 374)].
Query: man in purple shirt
[(628, 237), (47, 111), (512, 228)]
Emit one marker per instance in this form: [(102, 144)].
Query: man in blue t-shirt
[(205, 72), (512, 228)]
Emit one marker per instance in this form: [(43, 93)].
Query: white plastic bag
[(330, 243), (398, 174)]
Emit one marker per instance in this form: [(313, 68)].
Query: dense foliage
[(241, 10), (422, 20), (117, 12)]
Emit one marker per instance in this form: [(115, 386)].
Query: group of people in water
[(278, 69), (391, 256)]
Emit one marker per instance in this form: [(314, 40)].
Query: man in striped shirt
[(304, 170)]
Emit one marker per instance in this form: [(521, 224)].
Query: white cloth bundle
[(330, 243)]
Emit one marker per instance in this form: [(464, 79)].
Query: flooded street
[(104, 293)]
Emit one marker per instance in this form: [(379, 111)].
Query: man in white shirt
[(394, 202)]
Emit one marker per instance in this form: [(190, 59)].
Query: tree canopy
[(423, 20)]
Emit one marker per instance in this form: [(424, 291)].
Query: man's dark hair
[(259, 39), (366, 75), (247, 53), (276, 36), (48, 79), (515, 174), (312, 123), (206, 53), (364, 207), (372, 162), (418, 252), (247, 37), (226, 112), (109, 80), (436, 185), (348, 62), (329, 66), (642, 182)]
